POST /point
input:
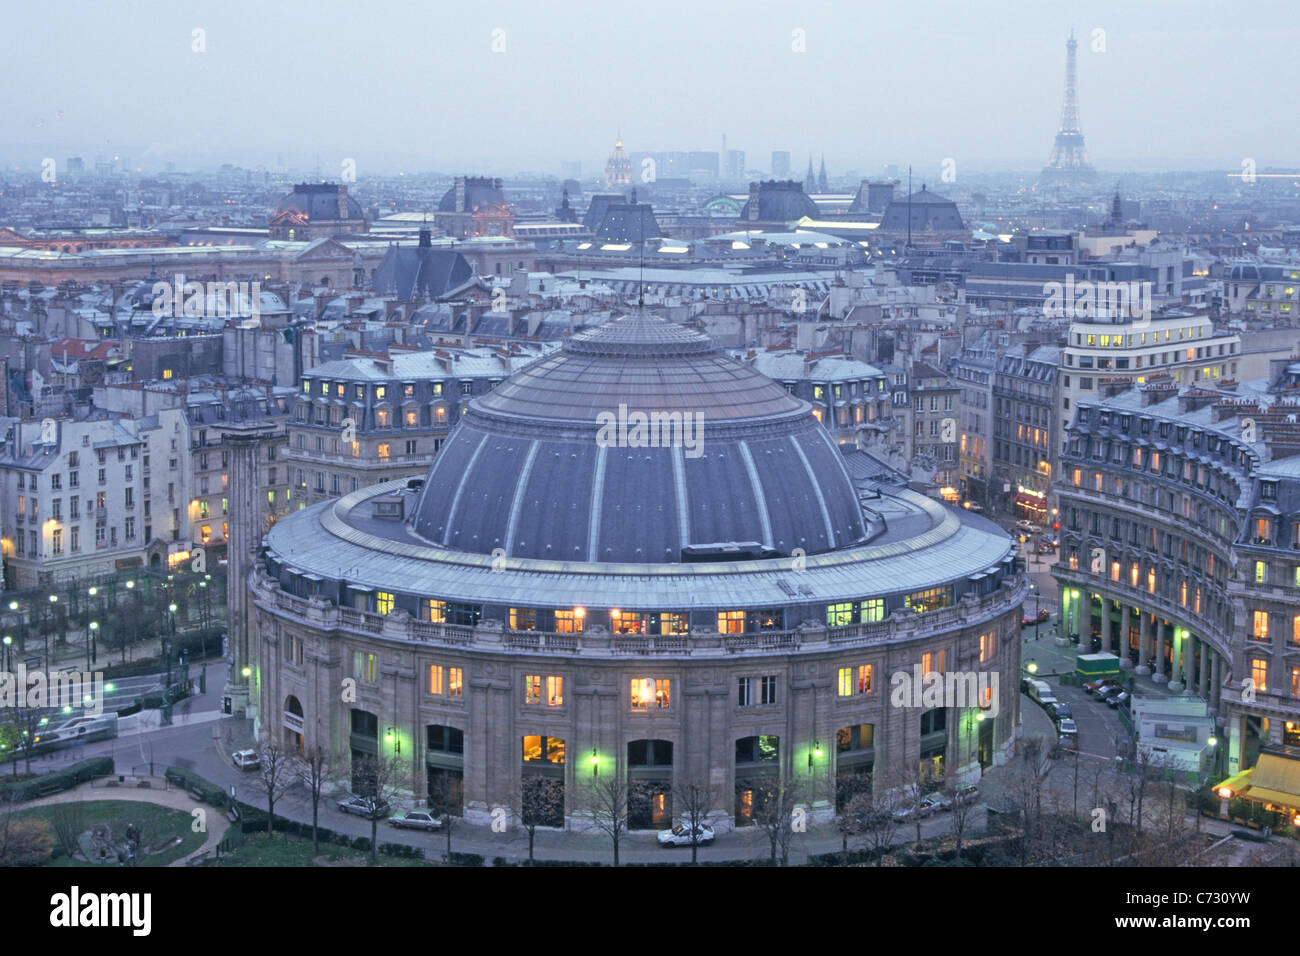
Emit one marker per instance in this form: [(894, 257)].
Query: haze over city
[(1163, 85)]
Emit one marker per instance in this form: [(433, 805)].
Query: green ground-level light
[(247, 671), (1032, 667), (110, 687), (1213, 741), (94, 591), (172, 608), (13, 605)]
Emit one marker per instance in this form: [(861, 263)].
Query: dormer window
[(1268, 491)]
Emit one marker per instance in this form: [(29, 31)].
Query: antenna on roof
[(909, 208)]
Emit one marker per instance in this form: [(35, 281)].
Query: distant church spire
[(821, 177), (810, 183)]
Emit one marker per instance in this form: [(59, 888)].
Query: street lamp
[(7, 641), (172, 609), (92, 652), (595, 763)]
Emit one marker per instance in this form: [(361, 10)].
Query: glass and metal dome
[(639, 441)]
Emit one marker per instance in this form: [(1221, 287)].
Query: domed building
[(775, 204), (314, 210), (475, 207), (639, 556)]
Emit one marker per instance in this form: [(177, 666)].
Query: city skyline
[(205, 100)]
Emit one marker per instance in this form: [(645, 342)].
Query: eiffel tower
[(1069, 160)]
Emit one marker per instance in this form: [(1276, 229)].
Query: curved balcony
[(493, 636)]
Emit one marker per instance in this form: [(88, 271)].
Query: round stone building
[(641, 557)]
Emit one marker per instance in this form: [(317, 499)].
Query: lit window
[(988, 646), (435, 679), (731, 622), (872, 610), (383, 602), (1260, 630), (846, 681), (1261, 572), (864, 678), (433, 611), (839, 615), (1259, 674), (649, 693), (569, 621), (533, 689), (382, 451), (455, 681), (555, 691)]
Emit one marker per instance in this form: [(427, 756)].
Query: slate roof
[(764, 470), (409, 271)]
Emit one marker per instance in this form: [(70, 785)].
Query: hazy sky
[(417, 86)]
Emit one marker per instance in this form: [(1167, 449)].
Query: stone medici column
[(1205, 670), (1159, 676), (245, 537), (1144, 629)]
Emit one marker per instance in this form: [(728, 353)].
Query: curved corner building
[(639, 556)]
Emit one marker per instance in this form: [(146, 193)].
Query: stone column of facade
[(1216, 691), (1160, 676), (245, 523), (1204, 676), (1178, 659), (1125, 622), (1144, 628)]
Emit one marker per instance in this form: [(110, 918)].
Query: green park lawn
[(156, 823)]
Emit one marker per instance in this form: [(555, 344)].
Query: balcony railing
[(904, 624)]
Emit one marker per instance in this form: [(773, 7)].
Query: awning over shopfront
[(1274, 780), (1032, 502)]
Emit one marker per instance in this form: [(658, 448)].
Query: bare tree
[(379, 782), (444, 803), (541, 804), (694, 800), (24, 841), (27, 723), (275, 772), (606, 799), (877, 820), (1027, 783), (848, 824), (68, 821), (963, 805), (776, 801), (315, 769)]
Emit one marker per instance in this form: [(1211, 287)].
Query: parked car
[(937, 803), (247, 759), (680, 835), (1110, 690), (1024, 524), (967, 791), (1098, 687), (363, 806), (416, 820), (1042, 617), (1115, 700), (1067, 728), (1058, 710)]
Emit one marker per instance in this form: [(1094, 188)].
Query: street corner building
[(547, 604)]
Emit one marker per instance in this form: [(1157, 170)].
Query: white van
[(1041, 693)]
